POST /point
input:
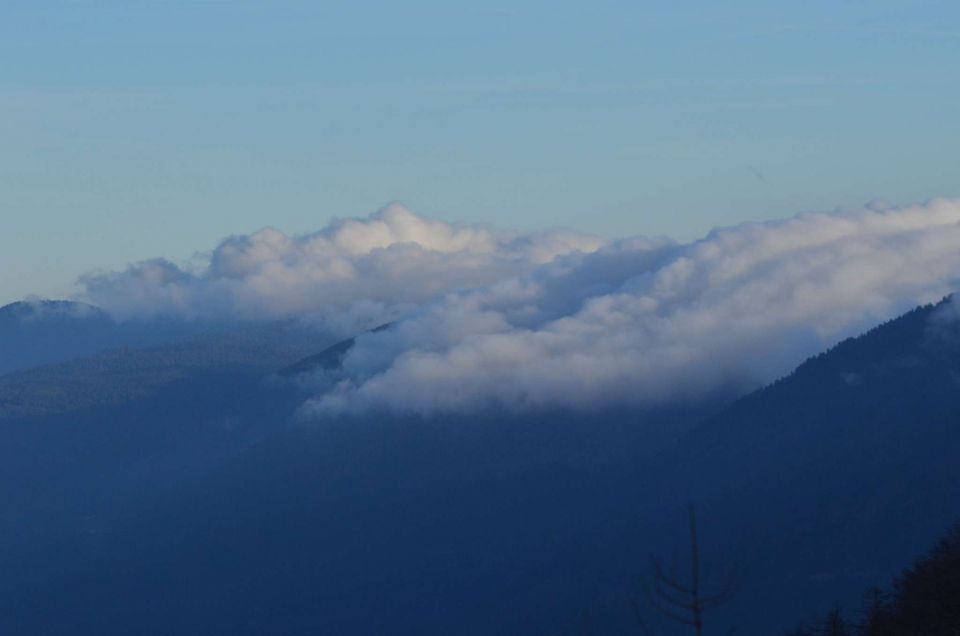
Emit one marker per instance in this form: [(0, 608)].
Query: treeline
[(924, 600)]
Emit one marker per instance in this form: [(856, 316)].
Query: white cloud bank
[(351, 275), (643, 323), (514, 321)]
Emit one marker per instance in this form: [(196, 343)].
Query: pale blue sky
[(137, 128)]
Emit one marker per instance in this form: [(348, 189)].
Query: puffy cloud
[(642, 322), (492, 319), (352, 274)]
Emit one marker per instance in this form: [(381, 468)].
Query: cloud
[(644, 322), (485, 318), (350, 275)]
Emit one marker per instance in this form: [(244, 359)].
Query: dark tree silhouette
[(876, 614), (833, 624), (926, 597), (925, 600), (684, 601)]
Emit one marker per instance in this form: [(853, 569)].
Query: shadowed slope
[(820, 485)]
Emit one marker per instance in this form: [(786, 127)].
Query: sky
[(143, 128)]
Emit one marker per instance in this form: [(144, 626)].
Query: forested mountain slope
[(34, 333), (816, 487)]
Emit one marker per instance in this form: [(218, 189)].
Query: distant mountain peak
[(39, 307)]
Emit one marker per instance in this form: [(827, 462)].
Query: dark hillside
[(837, 474), (818, 486), (122, 375), (46, 332)]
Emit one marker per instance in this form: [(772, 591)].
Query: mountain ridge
[(823, 483)]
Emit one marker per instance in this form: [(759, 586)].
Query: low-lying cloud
[(643, 323), (350, 275), (490, 319)]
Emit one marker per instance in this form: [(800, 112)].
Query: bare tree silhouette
[(684, 601)]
